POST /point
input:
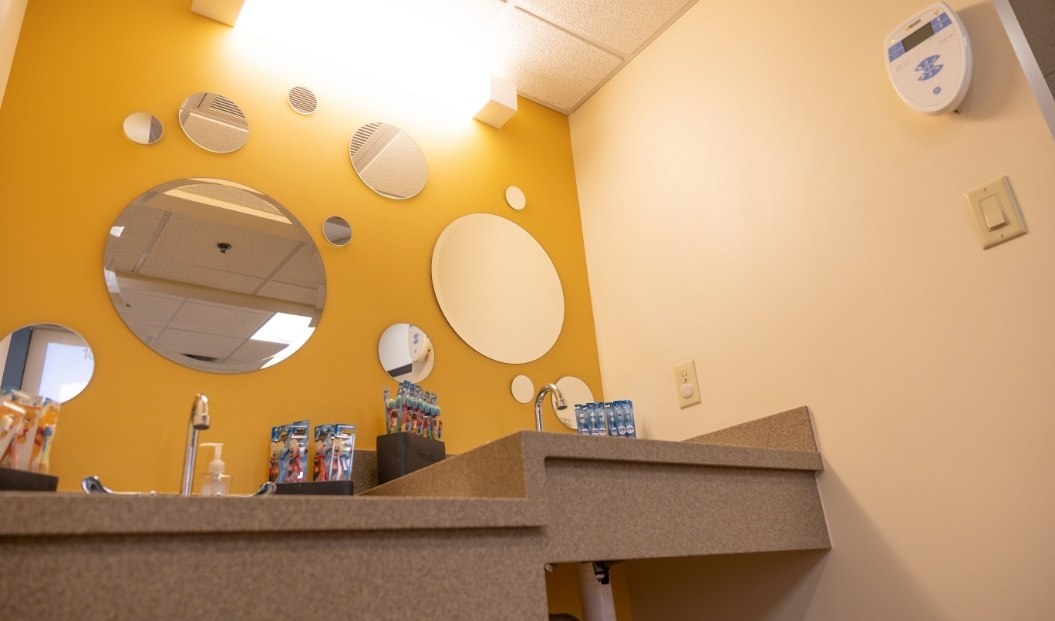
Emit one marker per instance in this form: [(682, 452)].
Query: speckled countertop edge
[(38, 513)]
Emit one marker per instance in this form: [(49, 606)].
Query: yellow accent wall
[(66, 172)]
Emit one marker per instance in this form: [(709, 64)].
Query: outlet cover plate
[(685, 375)]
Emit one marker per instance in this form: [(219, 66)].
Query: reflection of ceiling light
[(285, 329), (116, 230), (111, 281)]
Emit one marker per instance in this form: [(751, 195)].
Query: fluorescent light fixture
[(290, 330)]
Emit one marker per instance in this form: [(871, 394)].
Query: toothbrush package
[(334, 447), (27, 429), (288, 461), (615, 418)]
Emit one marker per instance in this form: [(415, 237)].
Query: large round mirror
[(497, 288), (406, 352), (388, 160), (214, 122), (48, 360), (214, 275)]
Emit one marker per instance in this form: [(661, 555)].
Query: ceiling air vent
[(223, 105), (362, 135), (302, 100)]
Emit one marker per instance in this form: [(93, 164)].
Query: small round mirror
[(48, 360), (337, 231), (214, 275), (406, 352), (214, 122), (515, 198), (523, 389), (302, 100), (143, 128), (388, 160)]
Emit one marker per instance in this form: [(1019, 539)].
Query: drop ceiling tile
[(621, 25), (291, 293), (255, 351), (304, 268), (196, 344), (149, 309), (193, 241), (201, 276), (218, 319), (551, 66), (121, 262), (137, 228), (146, 333)]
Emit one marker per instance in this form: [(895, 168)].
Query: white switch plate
[(995, 198), (685, 383)]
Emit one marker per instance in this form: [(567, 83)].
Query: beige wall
[(11, 13), (756, 198)]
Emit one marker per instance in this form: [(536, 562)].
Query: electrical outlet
[(686, 384)]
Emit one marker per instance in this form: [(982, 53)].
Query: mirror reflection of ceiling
[(405, 353), (497, 288), (143, 128), (214, 275), (214, 122), (575, 392), (337, 231), (388, 160), (48, 360)]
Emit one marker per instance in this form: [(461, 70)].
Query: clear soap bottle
[(216, 483)]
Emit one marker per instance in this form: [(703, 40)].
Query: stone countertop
[(480, 525), (497, 485)]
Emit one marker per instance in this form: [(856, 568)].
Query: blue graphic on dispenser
[(929, 67)]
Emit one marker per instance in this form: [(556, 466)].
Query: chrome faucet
[(199, 420), (558, 402)]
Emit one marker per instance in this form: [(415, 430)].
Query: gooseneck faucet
[(558, 402), (199, 420)]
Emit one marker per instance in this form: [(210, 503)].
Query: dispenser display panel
[(929, 59)]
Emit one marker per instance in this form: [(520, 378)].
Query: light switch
[(995, 213), (991, 211)]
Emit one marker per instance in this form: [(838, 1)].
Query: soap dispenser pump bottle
[(216, 483)]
